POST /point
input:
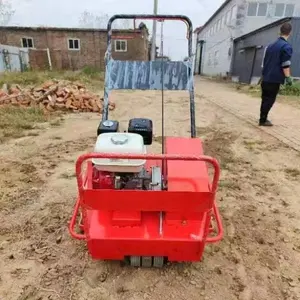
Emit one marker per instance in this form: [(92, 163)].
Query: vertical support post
[(201, 56), (191, 88), (49, 59), (153, 45)]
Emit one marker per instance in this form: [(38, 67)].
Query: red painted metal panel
[(127, 200), (106, 241), (122, 223), (182, 173)]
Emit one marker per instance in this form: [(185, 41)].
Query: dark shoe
[(265, 123)]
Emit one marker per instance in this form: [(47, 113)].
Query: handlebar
[(207, 159), (162, 157), (183, 18)]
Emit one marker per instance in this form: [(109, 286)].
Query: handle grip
[(162, 157), (183, 18), (73, 221), (219, 236)]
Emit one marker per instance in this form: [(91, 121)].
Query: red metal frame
[(117, 242)]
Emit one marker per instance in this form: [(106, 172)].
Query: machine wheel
[(147, 261), (158, 261), (135, 261)]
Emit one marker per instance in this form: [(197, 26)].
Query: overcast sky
[(66, 13)]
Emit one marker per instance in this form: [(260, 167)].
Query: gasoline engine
[(124, 174)]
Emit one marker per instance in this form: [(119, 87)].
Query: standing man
[(276, 71)]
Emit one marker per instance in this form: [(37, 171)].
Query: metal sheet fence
[(148, 75), (13, 59)]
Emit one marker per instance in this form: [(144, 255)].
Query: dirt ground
[(259, 257)]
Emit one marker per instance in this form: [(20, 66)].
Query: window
[(227, 17), (289, 10), (74, 44), (218, 26), (279, 10), (120, 45), (209, 59), (216, 58), (252, 8), (262, 9), (284, 10), (233, 12), (27, 42), (222, 22), (257, 9)]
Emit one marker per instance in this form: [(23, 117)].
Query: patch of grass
[(293, 90), (92, 72), (33, 134), (252, 90), (56, 138), (67, 175), (292, 172), (89, 76), (288, 94), (251, 144), (26, 78), (229, 184), (218, 144), (158, 139), (56, 122), (14, 121)]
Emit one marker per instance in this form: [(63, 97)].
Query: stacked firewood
[(54, 95)]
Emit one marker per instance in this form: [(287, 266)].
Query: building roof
[(67, 29), (278, 22), (198, 29), (215, 13)]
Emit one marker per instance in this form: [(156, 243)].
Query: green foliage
[(293, 90), (90, 71), (88, 76), (15, 120)]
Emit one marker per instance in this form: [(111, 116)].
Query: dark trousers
[(268, 96)]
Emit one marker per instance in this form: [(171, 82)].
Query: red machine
[(145, 208)]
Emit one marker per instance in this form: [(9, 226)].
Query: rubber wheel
[(135, 261), (147, 261), (158, 261)]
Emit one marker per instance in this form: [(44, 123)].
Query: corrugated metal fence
[(13, 59)]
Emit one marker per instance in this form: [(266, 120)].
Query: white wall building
[(233, 19)]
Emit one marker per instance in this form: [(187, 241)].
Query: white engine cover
[(122, 143)]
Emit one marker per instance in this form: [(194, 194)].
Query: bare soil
[(259, 257)]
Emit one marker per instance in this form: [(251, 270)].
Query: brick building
[(75, 48)]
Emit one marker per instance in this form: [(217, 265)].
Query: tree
[(6, 12), (90, 20)]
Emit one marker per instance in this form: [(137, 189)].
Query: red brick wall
[(38, 60), (92, 47)]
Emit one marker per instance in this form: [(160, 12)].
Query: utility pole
[(153, 45)]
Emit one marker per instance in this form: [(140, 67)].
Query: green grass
[(89, 76), (67, 175), (255, 90), (229, 184), (293, 90), (15, 121)]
